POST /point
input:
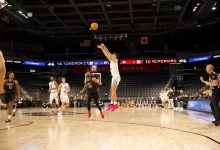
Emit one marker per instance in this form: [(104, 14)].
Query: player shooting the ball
[(116, 78)]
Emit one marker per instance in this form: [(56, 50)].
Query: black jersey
[(91, 86), (213, 76), (10, 87)]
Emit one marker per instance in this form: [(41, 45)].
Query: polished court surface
[(124, 129)]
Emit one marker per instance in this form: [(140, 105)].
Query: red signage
[(148, 61), (131, 62), (122, 68), (161, 61)]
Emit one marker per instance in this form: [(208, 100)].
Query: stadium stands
[(132, 85)]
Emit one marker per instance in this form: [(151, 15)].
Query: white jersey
[(161, 95), (64, 88), (165, 95), (52, 86), (114, 68)]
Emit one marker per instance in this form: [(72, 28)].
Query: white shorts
[(53, 96), (116, 80), (64, 98)]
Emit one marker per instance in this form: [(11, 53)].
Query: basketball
[(94, 26)]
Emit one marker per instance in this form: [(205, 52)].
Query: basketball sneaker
[(217, 123), (89, 115), (52, 113), (114, 107), (59, 114), (214, 121), (102, 116), (109, 107), (7, 121), (14, 112)]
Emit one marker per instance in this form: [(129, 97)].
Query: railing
[(170, 82), (24, 92)]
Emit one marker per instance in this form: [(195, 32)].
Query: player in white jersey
[(165, 99), (64, 89), (53, 89), (113, 58)]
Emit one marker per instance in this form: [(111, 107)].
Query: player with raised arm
[(116, 78)]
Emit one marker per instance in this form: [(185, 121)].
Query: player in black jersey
[(2, 72), (11, 88), (214, 85), (91, 84)]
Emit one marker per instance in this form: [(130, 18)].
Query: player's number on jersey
[(10, 87)]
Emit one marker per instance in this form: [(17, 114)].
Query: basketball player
[(91, 85), (113, 58), (2, 72), (163, 98), (215, 98), (63, 89), (170, 98), (53, 88), (10, 85)]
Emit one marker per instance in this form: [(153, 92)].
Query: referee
[(215, 98)]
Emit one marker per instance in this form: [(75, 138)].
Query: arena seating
[(132, 85), (77, 82), (33, 85), (142, 84), (191, 83)]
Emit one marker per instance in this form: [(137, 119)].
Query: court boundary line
[(16, 126), (139, 124), (157, 127)]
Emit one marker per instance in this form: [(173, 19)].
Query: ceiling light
[(177, 7), (30, 14), (108, 4), (214, 8)]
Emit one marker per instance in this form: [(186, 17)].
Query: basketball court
[(143, 60), (126, 128)]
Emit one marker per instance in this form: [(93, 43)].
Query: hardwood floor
[(124, 129)]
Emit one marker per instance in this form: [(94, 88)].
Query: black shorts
[(2, 97), (94, 96), (9, 98)]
